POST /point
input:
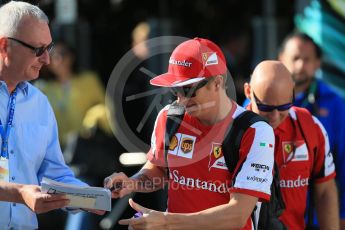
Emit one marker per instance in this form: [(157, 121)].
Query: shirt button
[(13, 178), (14, 204), (11, 151)]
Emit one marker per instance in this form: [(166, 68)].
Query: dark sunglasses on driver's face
[(37, 50), (269, 108), (190, 91)]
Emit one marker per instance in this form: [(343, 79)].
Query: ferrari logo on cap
[(204, 56), (210, 58)]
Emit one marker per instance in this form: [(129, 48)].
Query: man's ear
[(247, 90), (3, 46), (218, 82)]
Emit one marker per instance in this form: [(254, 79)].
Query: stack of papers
[(80, 196)]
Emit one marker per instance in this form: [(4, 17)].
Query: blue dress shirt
[(34, 150)]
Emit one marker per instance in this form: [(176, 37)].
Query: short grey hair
[(12, 13)]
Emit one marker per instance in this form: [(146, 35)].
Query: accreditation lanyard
[(5, 131)]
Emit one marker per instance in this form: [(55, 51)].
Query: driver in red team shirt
[(271, 94), (202, 194)]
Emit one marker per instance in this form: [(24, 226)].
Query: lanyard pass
[(4, 172)]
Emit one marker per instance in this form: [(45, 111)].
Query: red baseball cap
[(192, 61)]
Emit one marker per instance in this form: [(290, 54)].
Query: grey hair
[(12, 13)]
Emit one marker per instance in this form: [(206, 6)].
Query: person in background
[(71, 93), (30, 147), (271, 93), (302, 57)]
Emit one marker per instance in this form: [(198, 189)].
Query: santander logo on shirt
[(197, 183), (299, 182)]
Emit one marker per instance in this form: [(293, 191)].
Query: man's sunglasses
[(190, 91), (38, 51), (269, 108)]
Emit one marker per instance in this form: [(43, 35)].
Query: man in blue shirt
[(29, 144), (302, 56)]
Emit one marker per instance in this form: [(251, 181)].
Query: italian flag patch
[(263, 144)]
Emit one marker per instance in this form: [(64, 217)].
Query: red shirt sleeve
[(324, 168), (253, 173)]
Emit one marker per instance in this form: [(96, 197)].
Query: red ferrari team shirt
[(297, 166), (199, 178)]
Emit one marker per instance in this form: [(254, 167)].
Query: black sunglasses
[(269, 108), (190, 91), (38, 51)]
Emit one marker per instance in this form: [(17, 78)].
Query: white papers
[(80, 196)]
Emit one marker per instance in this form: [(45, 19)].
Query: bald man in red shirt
[(271, 94)]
